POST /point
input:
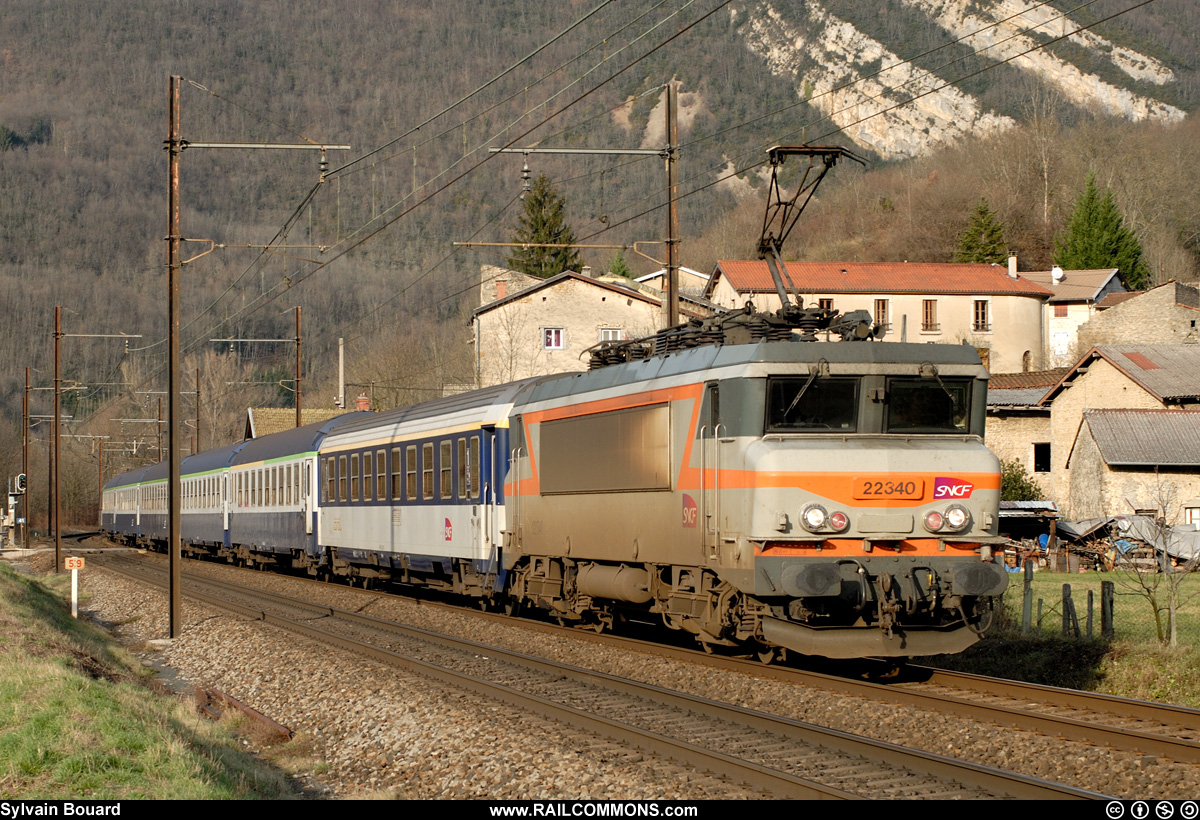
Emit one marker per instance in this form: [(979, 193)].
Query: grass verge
[(77, 719)]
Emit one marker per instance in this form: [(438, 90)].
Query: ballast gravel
[(379, 732)]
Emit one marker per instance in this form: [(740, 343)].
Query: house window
[(611, 334), (825, 304), (881, 313), (1191, 516), (929, 320), (981, 323), (1060, 311), (1041, 457), (553, 338)]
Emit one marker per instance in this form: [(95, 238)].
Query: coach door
[(481, 455), (709, 436), (307, 491)]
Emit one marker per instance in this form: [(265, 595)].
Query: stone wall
[(510, 339), (1168, 314), (1011, 437)]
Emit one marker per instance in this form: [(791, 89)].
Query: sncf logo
[(689, 511), (952, 488)]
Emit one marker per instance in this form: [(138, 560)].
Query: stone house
[(994, 309), (1018, 427), (1123, 461), (548, 327), (1167, 314), (1114, 377), (1076, 295)]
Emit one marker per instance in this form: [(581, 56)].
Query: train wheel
[(512, 606)]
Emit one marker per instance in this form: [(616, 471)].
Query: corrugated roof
[(1026, 397), (879, 277), (1075, 286), (1146, 437), (1167, 372)]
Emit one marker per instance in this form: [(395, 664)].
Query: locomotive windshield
[(802, 405), (928, 406)]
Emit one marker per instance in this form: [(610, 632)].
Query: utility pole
[(25, 510), (55, 424), (298, 423), (174, 507), (175, 145), (671, 305)]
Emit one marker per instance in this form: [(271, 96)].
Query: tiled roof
[(1167, 372), (1075, 286), (1146, 437), (879, 277), (1044, 379), (1114, 299), (261, 421)]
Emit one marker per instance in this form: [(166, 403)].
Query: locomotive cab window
[(928, 406), (797, 404)]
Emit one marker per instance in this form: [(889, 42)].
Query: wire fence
[(1143, 606)]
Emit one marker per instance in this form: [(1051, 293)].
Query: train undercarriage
[(857, 614)]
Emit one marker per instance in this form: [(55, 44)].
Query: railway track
[(1162, 730), (782, 756)]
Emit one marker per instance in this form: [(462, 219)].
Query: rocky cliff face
[(899, 110)]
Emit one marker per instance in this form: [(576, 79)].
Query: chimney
[(586, 270), (362, 402), (501, 288), (1012, 265)]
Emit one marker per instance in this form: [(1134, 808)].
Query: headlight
[(934, 521), (814, 517), (838, 521), (958, 518)]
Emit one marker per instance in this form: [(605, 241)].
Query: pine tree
[(619, 267), (1096, 237), (983, 238), (544, 222)]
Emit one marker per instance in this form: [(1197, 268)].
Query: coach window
[(427, 471), (410, 466), (368, 475), (330, 477), (288, 484), (380, 475), (447, 469), (341, 478), (354, 477), (474, 469), (462, 468), (397, 473)]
